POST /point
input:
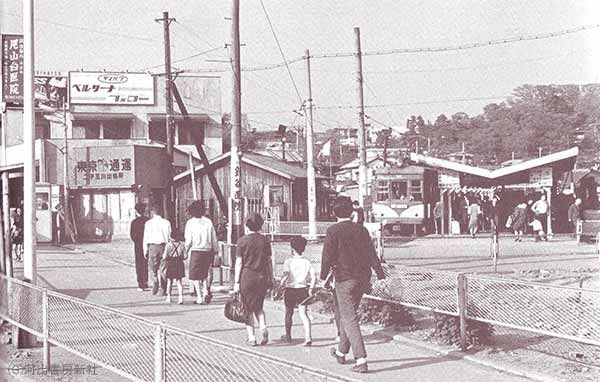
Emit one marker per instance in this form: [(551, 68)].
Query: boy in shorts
[(299, 281)]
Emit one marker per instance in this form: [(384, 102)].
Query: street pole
[(310, 165), (66, 211), (362, 153), (29, 205), (235, 197), (169, 206)]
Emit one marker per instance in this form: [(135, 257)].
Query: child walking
[(173, 256), (297, 271)]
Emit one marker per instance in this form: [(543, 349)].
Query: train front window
[(398, 190), (416, 191), (382, 191)]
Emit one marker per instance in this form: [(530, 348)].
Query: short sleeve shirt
[(255, 251), (298, 270)]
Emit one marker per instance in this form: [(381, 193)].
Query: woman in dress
[(474, 211), (254, 276), (201, 244)]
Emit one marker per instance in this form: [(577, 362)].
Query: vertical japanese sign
[(12, 68)]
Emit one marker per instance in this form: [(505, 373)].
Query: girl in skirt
[(173, 258)]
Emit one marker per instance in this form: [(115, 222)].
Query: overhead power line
[(91, 30), (449, 48), (374, 106), (280, 50), (185, 58)]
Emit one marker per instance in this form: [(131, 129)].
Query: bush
[(384, 313), (447, 330)]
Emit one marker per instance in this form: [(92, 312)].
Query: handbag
[(235, 309)]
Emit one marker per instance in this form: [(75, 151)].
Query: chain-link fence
[(135, 348)]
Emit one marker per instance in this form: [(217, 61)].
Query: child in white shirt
[(297, 272)]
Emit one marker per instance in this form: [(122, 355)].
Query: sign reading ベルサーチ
[(103, 166), (12, 68), (99, 88)]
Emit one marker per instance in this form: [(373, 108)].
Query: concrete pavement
[(111, 282)]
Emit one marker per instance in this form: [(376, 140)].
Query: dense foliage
[(550, 117)]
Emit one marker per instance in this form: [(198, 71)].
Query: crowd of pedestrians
[(347, 261)]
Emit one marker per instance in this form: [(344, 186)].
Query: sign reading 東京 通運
[(12, 68), (103, 166), (100, 88)]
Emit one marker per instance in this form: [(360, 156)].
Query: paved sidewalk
[(94, 277)]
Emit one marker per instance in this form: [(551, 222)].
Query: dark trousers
[(348, 294), (543, 218), (141, 266)]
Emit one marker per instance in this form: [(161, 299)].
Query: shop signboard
[(100, 88), (448, 179), (50, 90), (541, 176), (103, 167), (12, 68)]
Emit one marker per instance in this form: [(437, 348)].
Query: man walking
[(157, 233), (136, 233), (574, 215), (349, 252)]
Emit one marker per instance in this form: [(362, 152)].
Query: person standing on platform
[(574, 215), (540, 209), (358, 215), (136, 233), (157, 233), (474, 211), (349, 251), (201, 244), (437, 216)]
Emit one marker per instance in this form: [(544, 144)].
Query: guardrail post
[(462, 309), (45, 330), (578, 230), (160, 355)]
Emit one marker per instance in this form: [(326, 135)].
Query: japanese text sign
[(12, 68), (99, 88), (103, 166)]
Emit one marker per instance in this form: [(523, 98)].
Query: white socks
[(360, 361)]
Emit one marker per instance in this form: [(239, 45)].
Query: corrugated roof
[(497, 173), (269, 164)]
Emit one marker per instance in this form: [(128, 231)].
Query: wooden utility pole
[(310, 165), (170, 197), (29, 206), (362, 148), (235, 197)]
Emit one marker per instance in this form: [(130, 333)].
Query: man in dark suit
[(348, 251), (137, 235)]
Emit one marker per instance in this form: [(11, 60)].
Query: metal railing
[(557, 311), (136, 348)]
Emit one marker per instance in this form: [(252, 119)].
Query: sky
[(118, 35)]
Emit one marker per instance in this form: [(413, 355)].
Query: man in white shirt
[(540, 209), (157, 233)]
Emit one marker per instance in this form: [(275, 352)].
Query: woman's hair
[(177, 235), (196, 209), (342, 208), (254, 222)]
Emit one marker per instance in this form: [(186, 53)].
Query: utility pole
[(29, 239), (66, 203), (310, 165), (362, 150), (169, 200), (235, 197)]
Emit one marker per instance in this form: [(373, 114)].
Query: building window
[(416, 191), (157, 130), (382, 191), (117, 129), (86, 129)]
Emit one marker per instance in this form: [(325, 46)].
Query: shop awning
[(101, 116)]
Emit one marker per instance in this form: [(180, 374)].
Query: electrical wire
[(281, 50), (473, 45), (91, 30), (342, 107), (184, 58)]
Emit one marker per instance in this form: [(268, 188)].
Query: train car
[(403, 199)]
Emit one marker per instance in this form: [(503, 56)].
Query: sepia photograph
[(270, 191)]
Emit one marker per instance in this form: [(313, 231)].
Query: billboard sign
[(100, 88), (50, 91), (103, 166), (12, 68)]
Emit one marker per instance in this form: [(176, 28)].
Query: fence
[(557, 311), (135, 348)]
